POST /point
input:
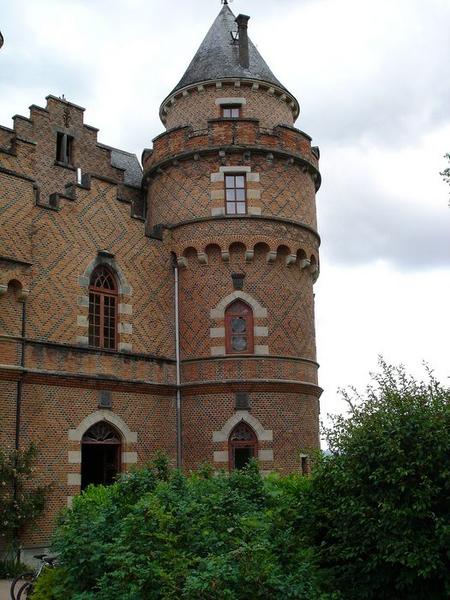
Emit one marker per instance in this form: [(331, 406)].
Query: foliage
[(20, 502), (157, 534), (380, 504), (50, 585), (11, 568), (446, 172)]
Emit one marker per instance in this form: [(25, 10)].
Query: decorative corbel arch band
[(217, 314), (222, 436), (129, 454), (253, 188), (124, 309)]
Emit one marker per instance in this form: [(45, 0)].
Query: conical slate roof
[(218, 57)]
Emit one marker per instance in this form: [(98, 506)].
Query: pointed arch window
[(103, 309), (239, 328), (242, 445)]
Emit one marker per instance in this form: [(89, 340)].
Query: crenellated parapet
[(225, 136)]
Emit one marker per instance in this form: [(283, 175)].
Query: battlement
[(232, 135)]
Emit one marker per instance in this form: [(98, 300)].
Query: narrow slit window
[(103, 309), (235, 194), (64, 148), (231, 111)]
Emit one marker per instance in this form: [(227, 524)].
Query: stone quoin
[(164, 307)]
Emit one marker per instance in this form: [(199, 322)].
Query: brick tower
[(231, 192)]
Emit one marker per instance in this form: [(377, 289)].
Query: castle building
[(164, 307)]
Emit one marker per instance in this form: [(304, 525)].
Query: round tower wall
[(196, 106), (289, 422), (196, 189), (279, 290)]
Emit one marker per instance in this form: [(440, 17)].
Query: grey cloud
[(360, 225)]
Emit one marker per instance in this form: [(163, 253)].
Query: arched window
[(239, 328), (100, 455), (242, 445), (103, 309)]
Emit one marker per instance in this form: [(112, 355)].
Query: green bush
[(11, 568), (157, 534), (50, 585), (380, 504)]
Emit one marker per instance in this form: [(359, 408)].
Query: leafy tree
[(380, 503), (20, 502)]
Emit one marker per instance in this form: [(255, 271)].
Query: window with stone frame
[(235, 194), (103, 304), (239, 328), (231, 111)]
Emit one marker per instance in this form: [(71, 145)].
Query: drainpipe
[(178, 370), (20, 383), (19, 407)]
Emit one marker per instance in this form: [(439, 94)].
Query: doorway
[(242, 446), (100, 455)]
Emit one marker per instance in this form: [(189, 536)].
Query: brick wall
[(197, 106)]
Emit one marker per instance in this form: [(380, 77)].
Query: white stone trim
[(220, 456), (122, 283), (259, 311), (253, 194), (235, 169), (74, 456), (69, 501), (265, 455), (217, 194), (263, 435), (129, 458), (218, 211), (124, 347), (82, 321), (220, 101), (73, 478), (125, 328), (261, 349), (125, 309), (83, 340), (83, 301), (217, 332), (217, 177), (253, 177), (261, 331), (76, 435), (218, 351), (254, 210)]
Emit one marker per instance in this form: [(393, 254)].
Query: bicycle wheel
[(25, 591), (18, 583)]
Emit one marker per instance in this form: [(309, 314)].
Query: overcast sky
[(373, 83)]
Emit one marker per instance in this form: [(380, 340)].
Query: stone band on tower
[(231, 194)]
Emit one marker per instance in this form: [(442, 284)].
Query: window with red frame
[(103, 309), (235, 194), (231, 111), (239, 328), (242, 446)]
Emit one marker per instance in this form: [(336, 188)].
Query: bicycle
[(22, 585)]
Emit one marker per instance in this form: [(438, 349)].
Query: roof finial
[(224, 1)]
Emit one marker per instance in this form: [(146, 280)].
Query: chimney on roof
[(242, 22)]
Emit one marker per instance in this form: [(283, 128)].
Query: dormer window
[(64, 147), (231, 111)]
